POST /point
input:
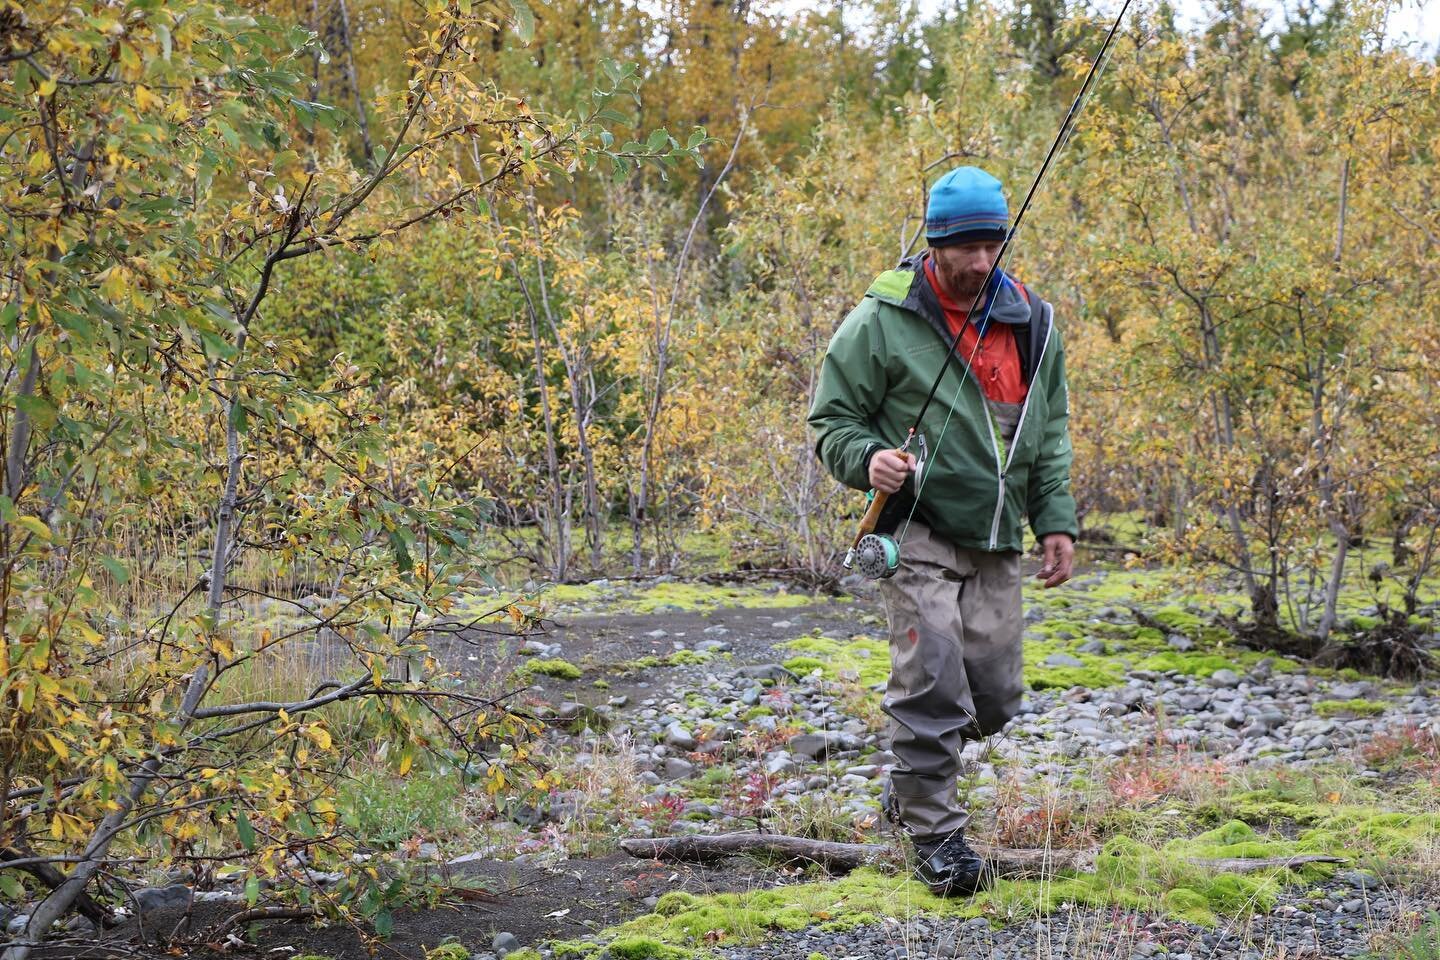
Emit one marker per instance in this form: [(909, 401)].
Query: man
[(999, 449)]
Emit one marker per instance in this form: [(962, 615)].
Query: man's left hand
[(1059, 554)]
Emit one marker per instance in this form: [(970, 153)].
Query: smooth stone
[(1063, 660), (767, 671), (816, 745), (676, 735), (504, 943), (1178, 641), (678, 769), (1225, 678), (162, 898)]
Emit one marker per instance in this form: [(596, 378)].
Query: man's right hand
[(889, 468)]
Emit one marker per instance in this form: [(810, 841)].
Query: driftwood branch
[(1006, 862), (240, 919)]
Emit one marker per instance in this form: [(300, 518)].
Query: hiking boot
[(949, 868)]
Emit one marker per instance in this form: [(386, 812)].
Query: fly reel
[(877, 556)]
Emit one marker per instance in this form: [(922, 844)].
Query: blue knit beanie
[(966, 205)]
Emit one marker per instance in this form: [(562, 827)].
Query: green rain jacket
[(973, 491)]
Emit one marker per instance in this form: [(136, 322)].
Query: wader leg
[(955, 669)]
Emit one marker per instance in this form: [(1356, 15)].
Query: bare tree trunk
[(576, 376), (561, 553), (353, 76), (664, 321)]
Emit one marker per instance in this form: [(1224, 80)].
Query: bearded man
[(1000, 453)]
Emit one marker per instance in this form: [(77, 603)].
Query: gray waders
[(955, 669)]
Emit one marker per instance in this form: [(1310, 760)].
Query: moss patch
[(1350, 708), (863, 659), (1128, 873), (559, 669), (680, 658), (672, 596)]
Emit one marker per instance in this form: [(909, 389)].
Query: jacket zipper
[(1003, 470)]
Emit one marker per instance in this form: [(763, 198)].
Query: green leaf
[(246, 832), (524, 19), (11, 887), (401, 551), (41, 412), (116, 568), (252, 890), (658, 139), (238, 416), (384, 922), (216, 345)]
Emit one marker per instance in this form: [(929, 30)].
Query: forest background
[(359, 310)]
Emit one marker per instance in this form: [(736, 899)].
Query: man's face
[(962, 268)]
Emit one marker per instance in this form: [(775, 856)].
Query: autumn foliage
[(323, 320)]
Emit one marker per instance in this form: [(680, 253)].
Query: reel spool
[(877, 555)]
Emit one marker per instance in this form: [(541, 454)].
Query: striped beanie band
[(966, 205)]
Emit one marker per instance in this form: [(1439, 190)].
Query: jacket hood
[(907, 287)]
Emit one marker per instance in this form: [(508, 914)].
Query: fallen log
[(1005, 861), (701, 848), (841, 856)]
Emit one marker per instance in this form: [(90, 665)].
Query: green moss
[(1041, 677), (448, 951), (683, 658), (1128, 874), (754, 712), (1180, 621), (850, 921), (1350, 708), (861, 659), (1191, 664), (801, 666), (529, 953), (816, 955), (559, 669), (680, 658), (650, 598), (675, 902), (645, 948), (600, 684)]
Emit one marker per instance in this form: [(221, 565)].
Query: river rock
[(677, 736)]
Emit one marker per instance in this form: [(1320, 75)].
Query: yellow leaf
[(35, 525), (47, 87), (407, 758), (58, 745), (319, 735)]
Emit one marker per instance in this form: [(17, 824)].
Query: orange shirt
[(996, 362)]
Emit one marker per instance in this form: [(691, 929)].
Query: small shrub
[(385, 810)]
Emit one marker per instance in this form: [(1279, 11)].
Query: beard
[(962, 285)]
